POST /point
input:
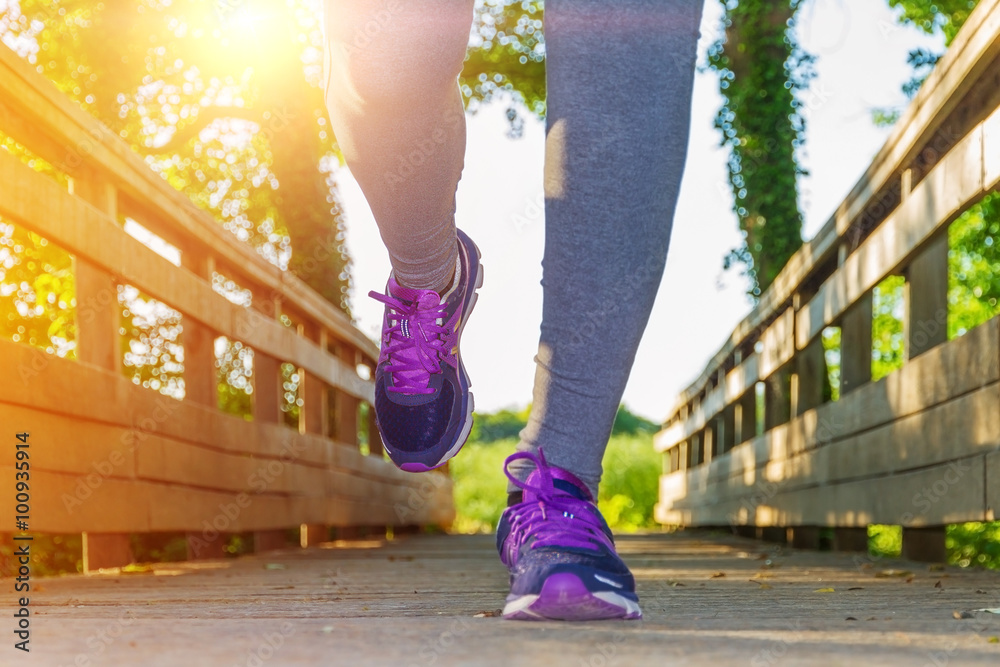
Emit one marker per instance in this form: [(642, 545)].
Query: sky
[(861, 65)]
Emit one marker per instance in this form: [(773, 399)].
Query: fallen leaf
[(871, 618), (994, 640), (850, 618), (980, 591), (718, 575), (823, 590), (938, 584), (881, 574), (909, 580), (136, 568), (960, 615), (488, 614), (856, 588), (765, 587)]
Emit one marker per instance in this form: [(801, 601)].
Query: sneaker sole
[(564, 597), (463, 436)]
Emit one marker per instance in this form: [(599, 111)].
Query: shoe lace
[(418, 341), (554, 518)]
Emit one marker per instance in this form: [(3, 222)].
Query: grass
[(627, 493), (973, 544)]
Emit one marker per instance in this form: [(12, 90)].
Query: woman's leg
[(393, 98), (620, 76)]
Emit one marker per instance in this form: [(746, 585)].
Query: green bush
[(626, 496)]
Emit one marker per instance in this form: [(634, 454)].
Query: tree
[(761, 69), (930, 16), (238, 128), (507, 57)]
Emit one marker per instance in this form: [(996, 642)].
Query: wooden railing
[(109, 458), (918, 448)]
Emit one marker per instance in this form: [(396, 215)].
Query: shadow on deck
[(431, 600)]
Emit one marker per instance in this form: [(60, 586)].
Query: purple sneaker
[(423, 406), (560, 552)]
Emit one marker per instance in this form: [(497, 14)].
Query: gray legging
[(619, 78)]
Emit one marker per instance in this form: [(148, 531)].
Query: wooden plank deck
[(419, 601)]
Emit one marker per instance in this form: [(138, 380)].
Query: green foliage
[(506, 56), (501, 425), (51, 555), (630, 485), (240, 129), (974, 266), (628, 490), (932, 17), (234, 364), (885, 541), (974, 544), (761, 70), (831, 354), (627, 423), (37, 292), (888, 310), (291, 396), (480, 486), (152, 352)]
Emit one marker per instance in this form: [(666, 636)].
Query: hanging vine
[(761, 70)]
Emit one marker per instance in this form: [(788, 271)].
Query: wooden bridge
[(754, 447), (755, 444), (109, 458)]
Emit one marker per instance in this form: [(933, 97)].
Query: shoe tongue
[(565, 483), (425, 297)]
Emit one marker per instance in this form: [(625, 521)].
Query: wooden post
[(268, 540), (201, 380), (748, 415), (810, 368), (727, 429), (266, 388), (777, 398), (805, 537), (202, 547), (312, 534), (314, 409), (924, 544), (101, 550), (708, 442), (375, 446), (345, 430), (856, 345), (850, 539), (776, 534), (926, 298), (98, 319)]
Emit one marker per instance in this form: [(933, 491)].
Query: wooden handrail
[(919, 447), (112, 458)]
